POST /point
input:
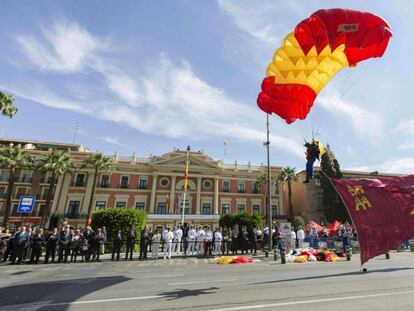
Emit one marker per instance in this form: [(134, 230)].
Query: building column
[(153, 192), (216, 195), (198, 198), (172, 194)]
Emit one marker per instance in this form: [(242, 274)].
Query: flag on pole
[(186, 170), (382, 211)]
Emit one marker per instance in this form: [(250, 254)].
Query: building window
[(226, 186), (255, 188), (3, 192), (124, 182), (164, 182), (241, 208), (104, 181), (4, 175), (256, 209), (73, 209), (140, 206), (80, 178), (120, 204), (143, 183), (207, 184), (225, 208), (161, 208), (240, 186), (26, 177), (319, 205), (187, 207), (100, 204), (20, 191), (206, 208), (274, 211)]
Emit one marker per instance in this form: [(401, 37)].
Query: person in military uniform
[(51, 242), (117, 244), (38, 240)]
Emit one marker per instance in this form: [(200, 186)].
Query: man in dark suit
[(130, 242), (20, 243), (64, 245), (37, 243), (117, 244), (51, 245), (143, 244)]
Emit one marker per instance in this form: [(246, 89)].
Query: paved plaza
[(200, 284)]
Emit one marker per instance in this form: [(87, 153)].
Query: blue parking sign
[(26, 204)]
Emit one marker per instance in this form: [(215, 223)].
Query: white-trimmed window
[(100, 204), (140, 206), (206, 209), (21, 191), (124, 182), (120, 204), (79, 180), (241, 208), (274, 210), (26, 176), (104, 181), (256, 209), (240, 187), (143, 182), (225, 208), (161, 208), (226, 186)]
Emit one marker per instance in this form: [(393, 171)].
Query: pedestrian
[(292, 239), (234, 239), (28, 248), (208, 241), (38, 242), (130, 242), (64, 245), (88, 234), (143, 244), (20, 242), (300, 235), (178, 235), (156, 238), (192, 237), (226, 243), (184, 241), (95, 243), (4, 241), (75, 245), (244, 240), (104, 234), (84, 250), (51, 243), (200, 241), (117, 244), (253, 240), (217, 241), (150, 235), (168, 239)]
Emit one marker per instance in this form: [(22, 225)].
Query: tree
[(100, 163), (13, 158), (289, 175), (115, 219), (298, 221), (333, 205), (57, 163), (7, 105), (241, 219)]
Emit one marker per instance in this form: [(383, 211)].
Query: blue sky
[(147, 76)]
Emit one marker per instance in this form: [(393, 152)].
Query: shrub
[(115, 219), (298, 221), (242, 219)]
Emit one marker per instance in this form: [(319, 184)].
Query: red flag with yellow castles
[(382, 211)]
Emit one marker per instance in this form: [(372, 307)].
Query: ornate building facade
[(154, 185)]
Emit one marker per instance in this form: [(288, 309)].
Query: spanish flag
[(186, 170)]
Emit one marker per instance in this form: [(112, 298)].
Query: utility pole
[(269, 186)]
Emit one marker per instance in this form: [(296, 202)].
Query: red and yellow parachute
[(309, 57)]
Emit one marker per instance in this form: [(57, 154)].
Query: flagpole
[(185, 185), (269, 195)]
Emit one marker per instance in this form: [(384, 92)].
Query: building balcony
[(142, 187), (186, 216), (103, 185), (123, 186)]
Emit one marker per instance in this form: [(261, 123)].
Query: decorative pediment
[(178, 161)]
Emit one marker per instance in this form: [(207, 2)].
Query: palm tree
[(13, 158), (7, 106), (57, 163), (289, 175), (100, 163)]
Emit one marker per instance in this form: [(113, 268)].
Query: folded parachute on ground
[(225, 260), (313, 53)]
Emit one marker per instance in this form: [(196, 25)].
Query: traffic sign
[(26, 204)]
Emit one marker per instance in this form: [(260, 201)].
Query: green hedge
[(242, 219), (115, 219)]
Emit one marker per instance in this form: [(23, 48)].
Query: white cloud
[(367, 125), (168, 99), (406, 130), (403, 165), (64, 47)]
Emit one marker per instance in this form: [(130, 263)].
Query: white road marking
[(160, 276), (292, 303), (202, 282)]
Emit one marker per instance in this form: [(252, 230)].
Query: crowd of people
[(29, 244)]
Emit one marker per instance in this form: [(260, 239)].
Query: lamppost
[(269, 195), (185, 185)]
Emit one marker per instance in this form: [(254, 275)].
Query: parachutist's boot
[(306, 181)]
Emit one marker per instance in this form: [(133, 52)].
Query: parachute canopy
[(309, 57)]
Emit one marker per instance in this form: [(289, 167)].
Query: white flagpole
[(185, 188)]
